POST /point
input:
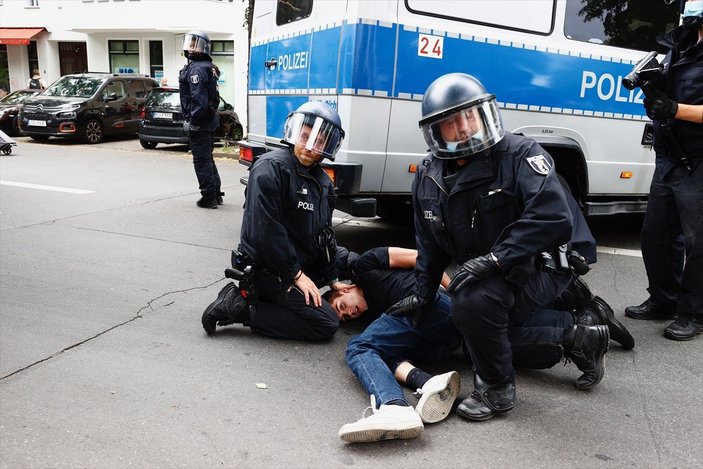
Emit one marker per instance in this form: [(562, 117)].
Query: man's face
[(460, 126), (349, 303), (309, 157)]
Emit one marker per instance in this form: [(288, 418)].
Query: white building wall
[(95, 22)]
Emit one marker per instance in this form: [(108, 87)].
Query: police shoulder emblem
[(539, 164), (194, 79)]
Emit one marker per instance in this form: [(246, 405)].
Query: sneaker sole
[(210, 323), (604, 338), (617, 330), (436, 406), (379, 434)]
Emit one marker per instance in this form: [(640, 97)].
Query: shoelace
[(418, 393), (372, 407)]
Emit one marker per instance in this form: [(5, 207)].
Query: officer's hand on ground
[(309, 290), (472, 271), (660, 107)]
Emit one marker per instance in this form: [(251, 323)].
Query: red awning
[(18, 36)]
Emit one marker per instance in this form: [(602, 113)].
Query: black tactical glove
[(660, 108), (472, 271), (411, 305)]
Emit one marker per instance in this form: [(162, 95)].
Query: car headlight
[(66, 115)]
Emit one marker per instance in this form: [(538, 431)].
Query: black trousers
[(281, 312), (484, 311), (201, 144), (673, 231)]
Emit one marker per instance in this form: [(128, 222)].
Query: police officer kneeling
[(287, 235), (491, 202)]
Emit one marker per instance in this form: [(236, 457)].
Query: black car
[(10, 108), (163, 120), (87, 106)]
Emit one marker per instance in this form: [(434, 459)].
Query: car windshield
[(17, 97), (164, 98), (75, 87)]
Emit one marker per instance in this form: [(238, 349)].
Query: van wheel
[(15, 127), (236, 133), (93, 131), (40, 138), (148, 145)]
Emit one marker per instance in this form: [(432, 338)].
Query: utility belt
[(243, 270), (564, 260)]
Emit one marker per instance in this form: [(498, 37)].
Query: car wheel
[(15, 127), (40, 138), (148, 145), (236, 133), (93, 131)]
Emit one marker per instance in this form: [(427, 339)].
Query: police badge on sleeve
[(194, 79), (539, 164)]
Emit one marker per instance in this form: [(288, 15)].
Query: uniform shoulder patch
[(194, 79), (539, 164)]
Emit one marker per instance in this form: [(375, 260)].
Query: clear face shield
[(464, 132), (313, 134), (195, 44)]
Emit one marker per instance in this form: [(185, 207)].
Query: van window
[(74, 86), (288, 11), (135, 88), (632, 25), (535, 16), (116, 87)]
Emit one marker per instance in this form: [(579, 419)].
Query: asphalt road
[(103, 362)]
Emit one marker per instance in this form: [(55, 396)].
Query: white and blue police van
[(555, 67)]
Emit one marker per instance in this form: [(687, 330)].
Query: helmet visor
[(464, 132), (314, 134), (193, 43)]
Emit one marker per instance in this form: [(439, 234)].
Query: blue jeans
[(374, 355)]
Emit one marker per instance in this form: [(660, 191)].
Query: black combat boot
[(586, 346), (229, 308), (650, 309), (208, 200), (576, 296), (600, 312), (488, 399)]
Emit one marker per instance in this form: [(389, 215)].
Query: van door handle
[(271, 64)]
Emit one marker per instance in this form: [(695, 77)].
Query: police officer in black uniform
[(200, 97), (287, 234), (673, 224), (491, 202)]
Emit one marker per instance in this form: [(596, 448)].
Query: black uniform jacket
[(197, 83), (286, 207), (684, 84), (506, 200)]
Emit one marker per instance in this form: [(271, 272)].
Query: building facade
[(58, 37)]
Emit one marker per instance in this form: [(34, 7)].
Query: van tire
[(93, 132), (148, 145)]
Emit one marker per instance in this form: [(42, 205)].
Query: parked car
[(163, 120), (87, 106), (10, 108)]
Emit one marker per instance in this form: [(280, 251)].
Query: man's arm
[(404, 258), (690, 113)]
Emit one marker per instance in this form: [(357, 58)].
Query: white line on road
[(44, 188)]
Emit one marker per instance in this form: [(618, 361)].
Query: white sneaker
[(389, 422), (437, 397)]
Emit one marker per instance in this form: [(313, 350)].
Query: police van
[(555, 67)]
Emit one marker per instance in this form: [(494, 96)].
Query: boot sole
[(603, 341), (210, 322), (617, 330), (379, 434), (436, 406)]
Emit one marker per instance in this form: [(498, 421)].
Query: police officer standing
[(673, 225), (200, 97), (491, 202), (287, 235)]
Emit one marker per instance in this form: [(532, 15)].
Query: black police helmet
[(459, 117), (316, 126)]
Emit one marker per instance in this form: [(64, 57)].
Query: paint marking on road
[(619, 251), (42, 187)]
